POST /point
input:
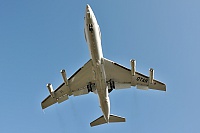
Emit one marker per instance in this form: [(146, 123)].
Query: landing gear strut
[(112, 85), (91, 87)]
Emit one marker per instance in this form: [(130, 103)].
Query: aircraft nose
[(88, 12), (87, 8), (87, 5)]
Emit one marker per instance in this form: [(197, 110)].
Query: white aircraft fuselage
[(93, 38)]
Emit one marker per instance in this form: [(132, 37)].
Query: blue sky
[(39, 38)]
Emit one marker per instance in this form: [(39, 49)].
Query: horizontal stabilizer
[(112, 118), (98, 121)]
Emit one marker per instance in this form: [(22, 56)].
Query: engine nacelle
[(133, 67), (51, 91), (151, 75), (64, 77)]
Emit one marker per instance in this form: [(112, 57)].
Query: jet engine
[(133, 67), (151, 75), (51, 91), (64, 77)]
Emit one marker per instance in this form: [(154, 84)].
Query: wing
[(123, 79), (77, 85), (117, 73)]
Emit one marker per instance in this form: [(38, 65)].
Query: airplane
[(100, 76)]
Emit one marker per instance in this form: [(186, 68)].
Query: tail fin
[(112, 118)]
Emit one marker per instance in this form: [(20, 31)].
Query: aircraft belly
[(96, 53), (105, 106), (93, 38)]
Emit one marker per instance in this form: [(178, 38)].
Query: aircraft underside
[(100, 76)]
